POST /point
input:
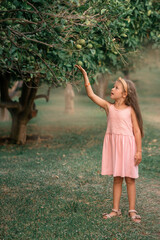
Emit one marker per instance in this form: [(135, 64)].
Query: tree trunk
[(24, 110), (21, 111), (18, 129), (69, 99), (101, 86)]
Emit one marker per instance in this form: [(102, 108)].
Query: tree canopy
[(42, 40), (48, 38)]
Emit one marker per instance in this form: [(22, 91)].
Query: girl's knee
[(129, 180), (118, 179)]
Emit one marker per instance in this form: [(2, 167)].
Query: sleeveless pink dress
[(119, 146)]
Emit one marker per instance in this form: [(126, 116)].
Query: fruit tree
[(41, 41)]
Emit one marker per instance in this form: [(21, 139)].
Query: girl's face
[(117, 91)]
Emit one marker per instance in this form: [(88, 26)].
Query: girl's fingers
[(138, 161), (81, 69), (78, 66)]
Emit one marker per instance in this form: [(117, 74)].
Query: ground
[(52, 188)]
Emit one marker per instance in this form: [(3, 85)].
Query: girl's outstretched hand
[(81, 69)]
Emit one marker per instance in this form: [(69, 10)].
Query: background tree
[(41, 41)]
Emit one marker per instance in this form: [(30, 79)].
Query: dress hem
[(109, 174)]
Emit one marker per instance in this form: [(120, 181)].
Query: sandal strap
[(136, 217), (114, 210), (106, 215), (117, 211), (132, 211)]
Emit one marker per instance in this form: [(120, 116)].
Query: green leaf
[(93, 51), (113, 58), (103, 10)]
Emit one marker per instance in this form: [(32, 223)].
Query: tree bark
[(22, 111), (101, 86), (69, 99), (21, 118), (18, 129)]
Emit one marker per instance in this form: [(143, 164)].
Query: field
[(52, 188)]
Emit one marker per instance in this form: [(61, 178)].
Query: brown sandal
[(118, 213), (134, 217)]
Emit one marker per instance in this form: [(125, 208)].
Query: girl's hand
[(138, 158), (81, 69)]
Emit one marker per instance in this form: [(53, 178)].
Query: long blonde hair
[(132, 100)]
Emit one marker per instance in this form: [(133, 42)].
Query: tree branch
[(25, 94), (30, 39), (10, 104), (42, 96), (46, 96), (35, 53), (16, 10), (20, 20), (32, 96)]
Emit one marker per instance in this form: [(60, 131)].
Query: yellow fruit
[(80, 63), (89, 45), (124, 35), (78, 46), (82, 41)]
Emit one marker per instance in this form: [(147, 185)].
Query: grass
[(52, 187)]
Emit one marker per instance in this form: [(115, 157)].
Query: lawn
[(52, 188)]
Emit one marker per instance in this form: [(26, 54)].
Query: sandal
[(118, 213), (133, 218)]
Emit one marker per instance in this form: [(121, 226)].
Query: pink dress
[(119, 146)]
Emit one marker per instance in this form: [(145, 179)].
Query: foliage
[(48, 38)]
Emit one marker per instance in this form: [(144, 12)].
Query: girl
[(122, 150)]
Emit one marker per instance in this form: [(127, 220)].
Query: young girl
[(122, 150)]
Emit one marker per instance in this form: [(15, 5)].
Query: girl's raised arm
[(99, 101)]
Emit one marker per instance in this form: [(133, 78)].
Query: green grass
[(52, 187)]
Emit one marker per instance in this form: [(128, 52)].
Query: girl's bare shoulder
[(132, 110)]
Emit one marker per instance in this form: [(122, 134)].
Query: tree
[(41, 41), (101, 84), (69, 99)]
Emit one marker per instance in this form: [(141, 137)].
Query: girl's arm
[(138, 138), (99, 101)]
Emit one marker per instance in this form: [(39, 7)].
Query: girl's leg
[(117, 190), (131, 190)]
